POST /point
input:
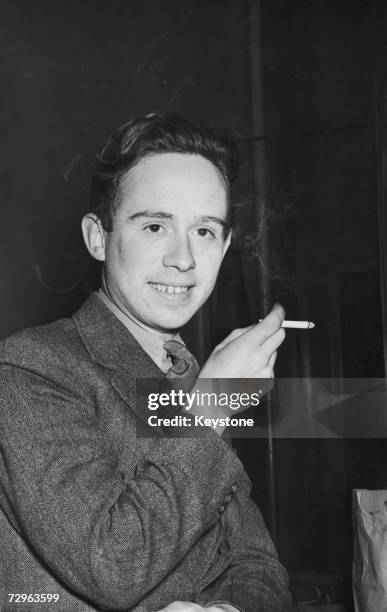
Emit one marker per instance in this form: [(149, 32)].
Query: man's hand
[(188, 606), (246, 353), (182, 606), (250, 352)]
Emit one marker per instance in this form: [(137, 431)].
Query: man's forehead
[(168, 170)]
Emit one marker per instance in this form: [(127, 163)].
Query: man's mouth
[(170, 289)]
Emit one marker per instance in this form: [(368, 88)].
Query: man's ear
[(94, 236), (227, 243)]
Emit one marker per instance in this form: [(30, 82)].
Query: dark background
[(302, 84)]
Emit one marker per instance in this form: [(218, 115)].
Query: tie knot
[(184, 366), (179, 355)]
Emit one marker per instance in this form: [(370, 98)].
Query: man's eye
[(154, 228), (204, 232)]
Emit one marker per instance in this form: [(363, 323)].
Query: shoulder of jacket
[(42, 343)]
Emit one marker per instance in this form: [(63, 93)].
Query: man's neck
[(165, 335)]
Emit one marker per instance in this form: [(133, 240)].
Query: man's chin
[(173, 322), (172, 326)]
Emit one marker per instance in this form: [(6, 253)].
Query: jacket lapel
[(111, 345)]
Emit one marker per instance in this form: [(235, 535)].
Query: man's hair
[(153, 134)]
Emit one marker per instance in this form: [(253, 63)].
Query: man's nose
[(179, 255)]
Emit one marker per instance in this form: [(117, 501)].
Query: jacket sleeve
[(110, 537), (254, 581)]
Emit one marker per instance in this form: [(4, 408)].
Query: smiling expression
[(168, 239)]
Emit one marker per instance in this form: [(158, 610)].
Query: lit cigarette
[(296, 324)]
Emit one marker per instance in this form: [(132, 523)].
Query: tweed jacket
[(105, 518)]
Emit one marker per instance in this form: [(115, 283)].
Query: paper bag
[(369, 571)]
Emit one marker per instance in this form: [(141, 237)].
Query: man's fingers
[(233, 335), (270, 324), (261, 331), (270, 365), (268, 370), (182, 606), (271, 344), (272, 360)]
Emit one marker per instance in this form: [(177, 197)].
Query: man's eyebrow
[(218, 220), (150, 214), (155, 214)]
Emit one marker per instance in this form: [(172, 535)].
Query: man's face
[(164, 253)]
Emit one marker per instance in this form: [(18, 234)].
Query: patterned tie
[(184, 369)]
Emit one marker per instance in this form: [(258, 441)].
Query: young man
[(91, 513)]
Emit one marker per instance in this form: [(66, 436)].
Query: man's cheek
[(209, 259)]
